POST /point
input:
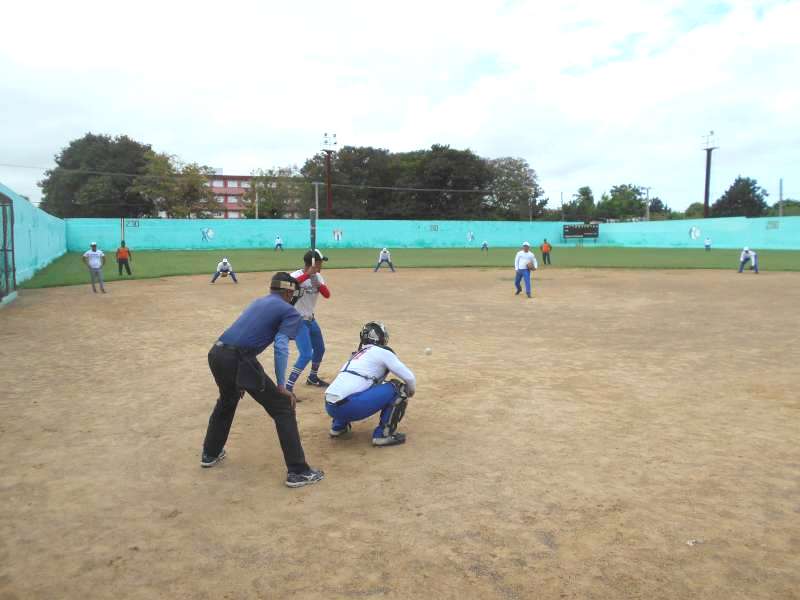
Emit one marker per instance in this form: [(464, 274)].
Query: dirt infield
[(626, 434)]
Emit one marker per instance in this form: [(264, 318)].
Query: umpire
[(236, 369)]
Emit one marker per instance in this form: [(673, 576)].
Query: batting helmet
[(375, 333)]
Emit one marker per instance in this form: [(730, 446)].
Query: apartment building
[(228, 192)]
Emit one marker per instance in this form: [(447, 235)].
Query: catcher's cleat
[(208, 461), (317, 382), (390, 440), (335, 433)]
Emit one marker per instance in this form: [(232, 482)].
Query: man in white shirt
[(95, 260), (278, 243), (224, 268), (746, 256), (707, 244), (384, 257), (359, 390), (524, 263)]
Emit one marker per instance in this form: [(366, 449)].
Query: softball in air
[(428, 350)]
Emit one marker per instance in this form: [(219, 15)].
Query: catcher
[(224, 269), (524, 263), (359, 390)]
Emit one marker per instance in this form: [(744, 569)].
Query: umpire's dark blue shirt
[(256, 327)]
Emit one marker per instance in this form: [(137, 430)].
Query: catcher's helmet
[(375, 333), (283, 281)]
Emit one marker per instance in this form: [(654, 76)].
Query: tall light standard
[(329, 143), (647, 203), (709, 149)]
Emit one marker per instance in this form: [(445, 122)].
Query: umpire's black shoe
[(317, 382), (307, 477), (518, 292), (390, 440), (209, 461)]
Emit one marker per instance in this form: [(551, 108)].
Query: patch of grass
[(70, 270)]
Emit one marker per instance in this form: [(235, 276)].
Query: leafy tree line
[(101, 176)]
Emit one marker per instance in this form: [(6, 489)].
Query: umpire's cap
[(313, 255)]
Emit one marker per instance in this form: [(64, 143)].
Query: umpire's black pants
[(224, 365)]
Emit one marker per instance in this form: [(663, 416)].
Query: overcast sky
[(589, 93)]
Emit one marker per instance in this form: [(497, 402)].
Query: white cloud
[(589, 93)]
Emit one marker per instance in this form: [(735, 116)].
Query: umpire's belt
[(239, 349)]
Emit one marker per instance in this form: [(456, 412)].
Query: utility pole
[(256, 186), (709, 149), (780, 198), (647, 204), (329, 147), (316, 195)]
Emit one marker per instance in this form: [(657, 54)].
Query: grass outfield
[(70, 270)]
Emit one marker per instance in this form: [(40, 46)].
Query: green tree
[(581, 207), (622, 202), (516, 193), (695, 211), (791, 208), (280, 193), (93, 177), (743, 199), (179, 190)]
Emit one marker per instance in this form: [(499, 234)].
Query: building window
[(218, 183), (231, 199), (233, 215), (220, 199), (245, 184)]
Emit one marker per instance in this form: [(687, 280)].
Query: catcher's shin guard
[(398, 408)]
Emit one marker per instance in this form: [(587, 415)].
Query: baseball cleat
[(335, 433), (390, 440), (208, 461), (317, 382), (294, 480)]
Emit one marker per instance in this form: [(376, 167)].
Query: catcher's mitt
[(224, 273), (530, 266)]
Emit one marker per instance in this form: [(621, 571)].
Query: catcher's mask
[(283, 281), (375, 333)]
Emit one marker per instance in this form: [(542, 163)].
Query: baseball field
[(627, 433)]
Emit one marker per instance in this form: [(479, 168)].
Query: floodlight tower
[(647, 203), (329, 147), (709, 148)]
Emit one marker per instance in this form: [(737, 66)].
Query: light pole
[(646, 203), (329, 147), (709, 149)]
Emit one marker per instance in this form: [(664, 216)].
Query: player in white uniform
[(278, 243), (521, 261), (359, 391), (310, 343), (384, 257), (746, 256), (226, 268)]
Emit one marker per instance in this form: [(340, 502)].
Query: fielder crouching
[(359, 390)]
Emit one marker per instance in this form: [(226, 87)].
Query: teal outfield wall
[(39, 238), (195, 234), (176, 234), (735, 232)]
